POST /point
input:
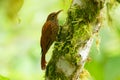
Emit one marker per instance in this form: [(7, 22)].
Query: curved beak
[(58, 12)]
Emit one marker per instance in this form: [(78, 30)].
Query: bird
[(49, 34)]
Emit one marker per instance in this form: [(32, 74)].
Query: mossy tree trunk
[(74, 40)]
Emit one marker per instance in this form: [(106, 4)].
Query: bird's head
[(53, 16)]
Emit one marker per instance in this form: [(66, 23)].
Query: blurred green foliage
[(3, 78), (19, 41)]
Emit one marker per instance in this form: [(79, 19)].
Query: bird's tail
[(43, 62)]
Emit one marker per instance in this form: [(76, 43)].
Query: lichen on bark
[(65, 63)]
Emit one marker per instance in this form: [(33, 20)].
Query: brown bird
[(49, 33)]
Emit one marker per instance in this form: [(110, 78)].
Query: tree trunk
[(74, 40)]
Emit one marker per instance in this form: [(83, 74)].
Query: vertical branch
[(74, 40)]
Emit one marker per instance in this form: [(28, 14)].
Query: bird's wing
[(46, 36)]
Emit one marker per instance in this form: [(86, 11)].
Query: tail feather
[(43, 62)]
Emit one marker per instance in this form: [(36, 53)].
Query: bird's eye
[(52, 16)]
